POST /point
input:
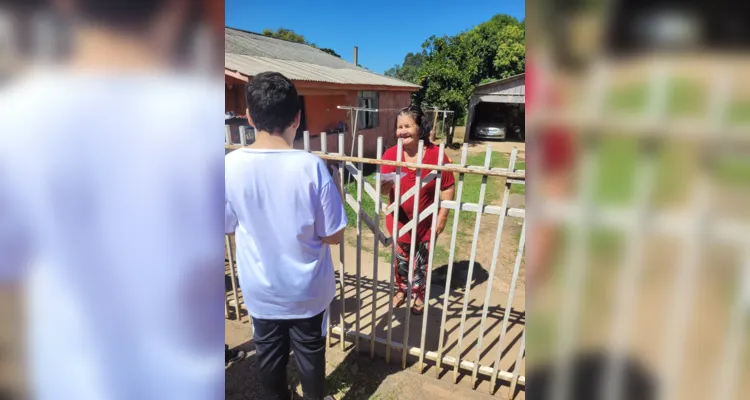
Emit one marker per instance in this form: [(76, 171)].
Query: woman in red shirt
[(411, 127)]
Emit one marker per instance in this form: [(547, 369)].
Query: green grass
[(617, 159), (732, 170), (473, 183), (739, 112), (684, 98), (367, 202)]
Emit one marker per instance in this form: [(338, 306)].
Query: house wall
[(389, 104), (234, 96), (321, 112)]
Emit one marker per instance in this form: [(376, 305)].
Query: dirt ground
[(505, 146), (349, 375), (353, 376), (11, 344)]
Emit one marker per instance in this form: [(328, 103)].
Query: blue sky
[(384, 30)]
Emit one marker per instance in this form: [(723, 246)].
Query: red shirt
[(426, 194)]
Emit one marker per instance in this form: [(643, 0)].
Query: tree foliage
[(511, 52), (330, 51), (450, 67), (409, 70), (285, 34), (291, 36)]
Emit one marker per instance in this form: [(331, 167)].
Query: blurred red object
[(555, 143)]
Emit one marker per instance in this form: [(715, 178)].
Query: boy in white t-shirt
[(285, 210)]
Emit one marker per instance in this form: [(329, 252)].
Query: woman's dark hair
[(424, 124)]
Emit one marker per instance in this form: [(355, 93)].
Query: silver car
[(495, 129)]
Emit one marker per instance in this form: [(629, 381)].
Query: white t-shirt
[(280, 203), (111, 195)]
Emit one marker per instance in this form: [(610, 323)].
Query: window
[(368, 119)]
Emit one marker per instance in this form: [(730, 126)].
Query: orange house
[(324, 83)]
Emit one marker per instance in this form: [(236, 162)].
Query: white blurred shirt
[(111, 192)]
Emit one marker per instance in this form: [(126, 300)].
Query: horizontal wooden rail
[(502, 173), (498, 172), (432, 356)]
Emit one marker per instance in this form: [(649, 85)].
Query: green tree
[(285, 34), (291, 36), (452, 66), (409, 70), (331, 52), (510, 58)]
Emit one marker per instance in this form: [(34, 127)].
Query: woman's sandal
[(399, 299), (418, 307)]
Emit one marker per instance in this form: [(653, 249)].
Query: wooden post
[(449, 136), (434, 126)]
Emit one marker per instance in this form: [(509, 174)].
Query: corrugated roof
[(250, 54), (508, 79)]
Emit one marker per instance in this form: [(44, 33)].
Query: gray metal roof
[(508, 90), (505, 80), (250, 54)]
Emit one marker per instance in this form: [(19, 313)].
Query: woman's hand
[(385, 188)]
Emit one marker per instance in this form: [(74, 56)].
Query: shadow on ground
[(587, 375), (460, 274), (353, 378)]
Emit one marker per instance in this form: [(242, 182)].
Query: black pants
[(273, 339)]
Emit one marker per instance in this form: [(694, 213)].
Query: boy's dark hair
[(120, 14), (424, 124), (273, 102)]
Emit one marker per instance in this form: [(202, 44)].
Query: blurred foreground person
[(554, 150), (110, 211)]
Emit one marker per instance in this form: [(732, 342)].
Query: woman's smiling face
[(407, 129)]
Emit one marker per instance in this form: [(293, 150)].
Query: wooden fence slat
[(394, 243), (376, 252), (342, 259), (412, 249), (451, 259), (495, 254), (629, 275), (230, 257), (509, 303), (433, 235), (360, 179), (472, 259)]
